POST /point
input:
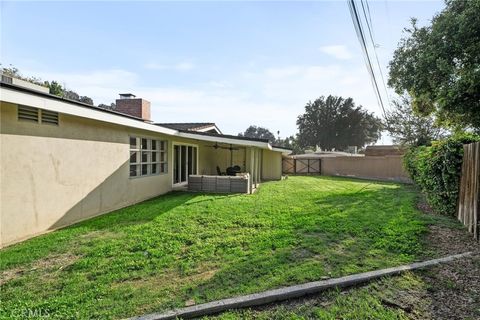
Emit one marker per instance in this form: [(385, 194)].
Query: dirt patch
[(171, 278), (46, 266), (454, 289), (300, 254), (445, 241)]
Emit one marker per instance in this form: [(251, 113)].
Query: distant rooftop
[(191, 126), (326, 154)]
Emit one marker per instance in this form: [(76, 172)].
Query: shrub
[(436, 170)]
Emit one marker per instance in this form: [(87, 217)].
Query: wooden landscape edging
[(468, 207), (286, 293)]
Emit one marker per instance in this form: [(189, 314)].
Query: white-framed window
[(26, 113), (147, 157)]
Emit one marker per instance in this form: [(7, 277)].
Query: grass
[(378, 300), (184, 248)]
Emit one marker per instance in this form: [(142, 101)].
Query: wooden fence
[(301, 166), (468, 211), (385, 168)]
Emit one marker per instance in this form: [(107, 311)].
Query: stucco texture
[(53, 176)]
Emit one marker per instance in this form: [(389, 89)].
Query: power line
[(361, 37), (370, 30)]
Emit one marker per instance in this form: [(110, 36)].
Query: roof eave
[(48, 103)]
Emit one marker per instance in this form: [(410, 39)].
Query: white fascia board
[(209, 128), (284, 151), (240, 142), (16, 97)]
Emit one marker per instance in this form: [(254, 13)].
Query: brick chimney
[(133, 106)]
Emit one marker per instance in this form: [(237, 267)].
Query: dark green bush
[(436, 170)]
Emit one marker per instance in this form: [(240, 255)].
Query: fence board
[(388, 168), (468, 208), (301, 166)]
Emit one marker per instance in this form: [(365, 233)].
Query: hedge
[(436, 170)]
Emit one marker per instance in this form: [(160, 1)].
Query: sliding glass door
[(184, 162)]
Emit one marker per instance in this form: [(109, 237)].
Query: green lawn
[(184, 247), (376, 300)]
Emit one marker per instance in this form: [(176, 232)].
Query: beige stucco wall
[(52, 176), (381, 168), (271, 165)]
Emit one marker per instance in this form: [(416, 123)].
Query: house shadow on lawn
[(349, 232)]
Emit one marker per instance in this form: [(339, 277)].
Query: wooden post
[(468, 208)]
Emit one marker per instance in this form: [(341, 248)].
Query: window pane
[(163, 145), (154, 144), (190, 160), (176, 165), (144, 169), (145, 156), (154, 156), (133, 143), (183, 164), (154, 168), (144, 143), (194, 161), (162, 157), (133, 171), (133, 157), (163, 167)]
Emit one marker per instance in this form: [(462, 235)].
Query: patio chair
[(232, 171), (219, 172)]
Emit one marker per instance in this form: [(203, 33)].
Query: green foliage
[(54, 87), (14, 72), (408, 128), (158, 254), (438, 65), (335, 122), (259, 133), (264, 133), (436, 170), (291, 143), (112, 106)]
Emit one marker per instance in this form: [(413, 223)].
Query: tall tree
[(438, 65), (408, 128), (335, 122), (258, 132), (54, 87), (290, 143)]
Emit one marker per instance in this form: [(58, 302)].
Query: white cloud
[(181, 66), (270, 97), (339, 52)]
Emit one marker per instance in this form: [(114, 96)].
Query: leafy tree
[(438, 65), (14, 72), (408, 128), (71, 95), (112, 106), (335, 122), (259, 133), (290, 143), (55, 88), (86, 100)]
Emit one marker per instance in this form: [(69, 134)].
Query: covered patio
[(225, 165)]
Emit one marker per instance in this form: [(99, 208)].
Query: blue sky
[(233, 63)]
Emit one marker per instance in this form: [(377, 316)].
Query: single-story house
[(63, 161)]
